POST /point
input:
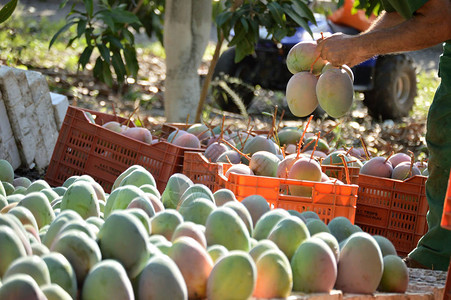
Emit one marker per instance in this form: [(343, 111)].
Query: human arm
[(430, 25)]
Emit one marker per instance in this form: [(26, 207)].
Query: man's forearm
[(430, 26), (385, 20)]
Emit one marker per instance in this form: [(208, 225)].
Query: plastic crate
[(328, 200), (339, 172), (197, 167), (446, 216), (86, 148), (393, 208)]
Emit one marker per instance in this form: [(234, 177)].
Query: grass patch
[(427, 84)]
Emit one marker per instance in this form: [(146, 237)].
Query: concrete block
[(8, 147), (60, 104), (23, 134)]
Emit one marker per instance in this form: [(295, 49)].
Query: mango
[(55, 227), (264, 163), (175, 187), (54, 292), (260, 247), (314, 267), (331, 241), (80, 250), (144, 204), (121, 197), (187, 140), (224, 227), (304, 169), (216, 252), (239, 169), (403, 170), (257, 207), (194, 263), (215, 150), (107, 280), (39, 249), (288, 234), (21, 286), (341, 228), (165, 222), (259, 143), (37, 186), (274, 275), (315, 226), (223, 196), (124, 238), (139, 177), (395, 278), (301, 57), (150, 189), (31, 265), (229, 156), (243, 213), (11, 248), (12, 222), (25, 216), (377, 166), (267, 222), (61, 272), (360, 265), (141, 134), (161, 279), (191, 230), (81, 197), (301, 94), (386, 246), (6, 171), (39, 206), (232, 277), (335, 92)]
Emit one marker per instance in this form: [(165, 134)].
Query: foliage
[(7, 10), (109, 28), (241, 25)]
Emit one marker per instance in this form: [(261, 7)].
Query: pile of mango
[(77, 242)]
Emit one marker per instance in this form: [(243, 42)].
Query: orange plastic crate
[(446, 216), (86, 148), (328, 200), (393, 208), (197, 167)]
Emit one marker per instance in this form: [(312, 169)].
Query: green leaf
[(223, 18), (124, 17), (98, 69), (107, 76), (275, 9), (62, 29), (300, 21), (118, 66), (89, 5), (104, 52), (114, 42), (107, 19), (131, 61), (81, 27), (303, 10), (7, 10), (128, 36), (85, 56), (245, 24)]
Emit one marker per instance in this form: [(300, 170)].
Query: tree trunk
[(186, 33)]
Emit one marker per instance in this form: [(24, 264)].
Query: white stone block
[(60, 104), (9, 151), (8, 147), (23, 134)]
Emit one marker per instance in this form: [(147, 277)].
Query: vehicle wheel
[(235, 76), (395, 88)]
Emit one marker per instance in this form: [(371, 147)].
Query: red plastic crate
[(197, 167), (393, 208), (328, 200), (86, 148)]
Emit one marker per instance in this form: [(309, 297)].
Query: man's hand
[(339, 49)]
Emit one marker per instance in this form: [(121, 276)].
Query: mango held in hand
[(301, 94), (302, 56), (335, 92)]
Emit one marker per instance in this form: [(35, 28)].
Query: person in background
[(409, 25)]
